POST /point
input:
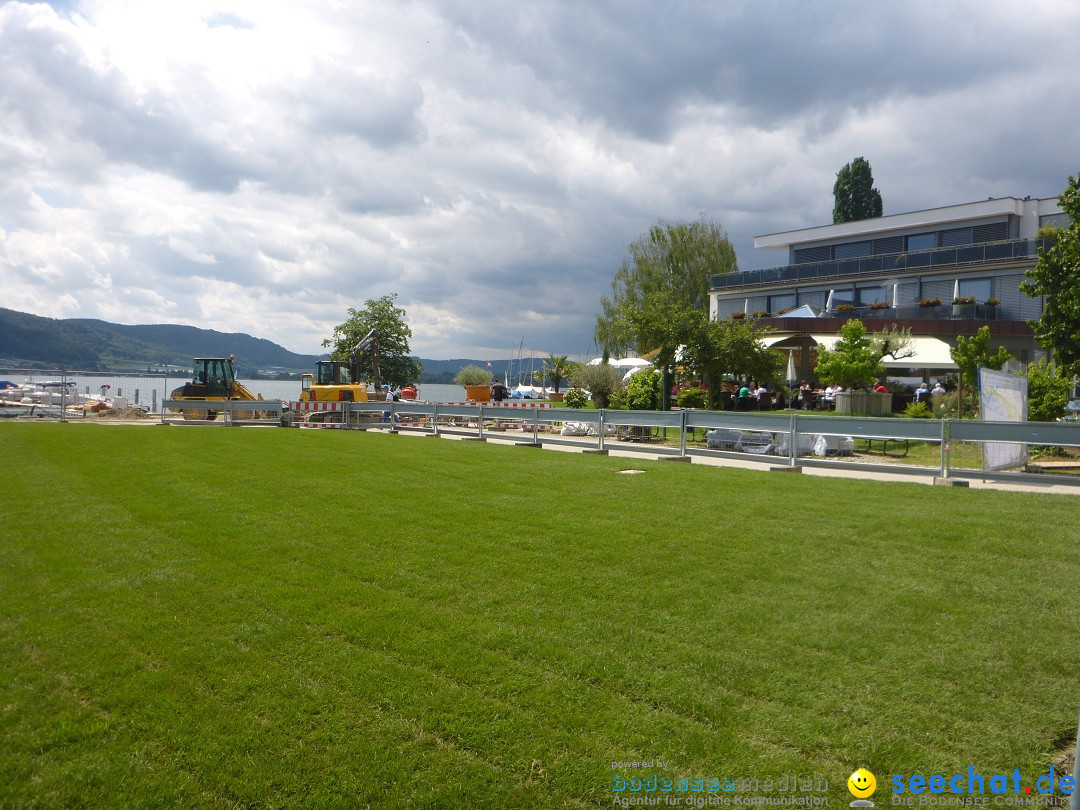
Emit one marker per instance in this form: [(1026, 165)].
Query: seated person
[(829, 397), (922, 393), (806, 395), (937, 389), (880, 388)]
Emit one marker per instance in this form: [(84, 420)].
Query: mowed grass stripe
[(440, 621)]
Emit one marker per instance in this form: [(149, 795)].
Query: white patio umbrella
[(746, 306), (895, 295), (791, 376), (956, 289), (828, 302), (630, 362)]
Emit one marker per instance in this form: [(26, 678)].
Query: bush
[(576, 398), (601, 381), (643, 390), (473, 375), (1048, 392), (692, 397), (917, 410), (617, 401)]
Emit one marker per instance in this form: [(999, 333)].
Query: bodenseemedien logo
[(862, 785)]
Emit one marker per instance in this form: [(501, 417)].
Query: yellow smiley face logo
[(861, 783)]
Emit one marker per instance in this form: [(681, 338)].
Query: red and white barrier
[(337, 407), (498, 404)]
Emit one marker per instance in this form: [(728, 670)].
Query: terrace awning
[(929, 353)]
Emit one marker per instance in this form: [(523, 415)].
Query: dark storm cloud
[(637, 63), (338, 100)]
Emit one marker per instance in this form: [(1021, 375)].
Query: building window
[(1054, 221), (779, 302), (822, 253), (977, 288), (955, 237), (872, 295), (852, 250), (922, 241)]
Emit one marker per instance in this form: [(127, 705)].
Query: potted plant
[(845, 307), (929, 303), (761, 314), (992, 305), (477, 383), (738, 316), (963, 306), (881, 305)]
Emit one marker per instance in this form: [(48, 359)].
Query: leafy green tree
[(601, 381), (734, 348), (660, 294), (1056, 276), (854, 359), (1048, 392), (396, 365), (854, 194), (971, 353), (557, 368), (643, 390)]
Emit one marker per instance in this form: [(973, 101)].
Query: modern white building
[(971, 258)]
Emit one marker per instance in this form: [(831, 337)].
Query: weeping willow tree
[(660, 293)]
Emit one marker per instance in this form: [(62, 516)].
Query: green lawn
[(218, 617)]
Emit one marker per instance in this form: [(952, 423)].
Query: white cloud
[(263, 166)]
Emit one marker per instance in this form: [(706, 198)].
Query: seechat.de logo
[(862, 785)]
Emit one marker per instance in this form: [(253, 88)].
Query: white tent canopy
[(626, 362)]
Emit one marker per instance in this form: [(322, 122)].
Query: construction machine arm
[(369, 344)]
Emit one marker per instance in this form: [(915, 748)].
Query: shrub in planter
[(473, 375), (845, 308), (962, 300), (761, 314), (992, 302), (738, 315), (929, 302), (881, 305)]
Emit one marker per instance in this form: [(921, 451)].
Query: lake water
[(151, 390)]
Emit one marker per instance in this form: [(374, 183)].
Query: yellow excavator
[(335, 381), (215, 381)]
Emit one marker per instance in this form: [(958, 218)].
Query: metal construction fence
[(945, 449), (941, 448)]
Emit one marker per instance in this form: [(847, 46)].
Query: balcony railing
[(916, 261), (916, 311)]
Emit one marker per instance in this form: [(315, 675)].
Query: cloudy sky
[(262, 166)]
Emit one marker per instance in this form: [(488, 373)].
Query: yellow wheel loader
[(215, 381)]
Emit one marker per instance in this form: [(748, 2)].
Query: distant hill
[(85, 344)]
